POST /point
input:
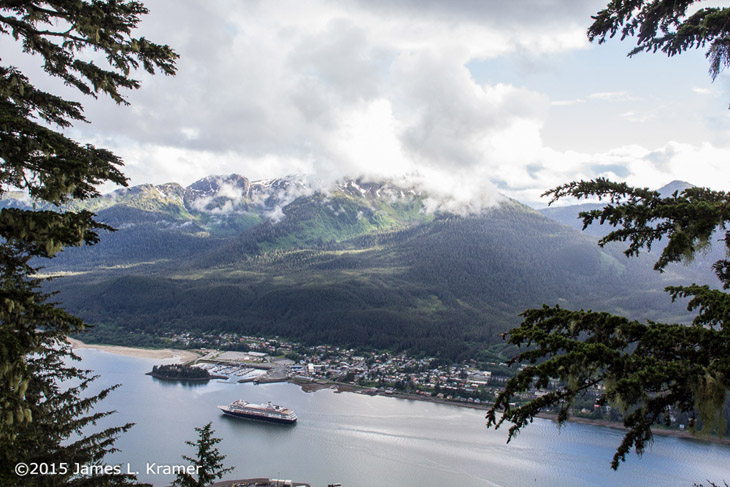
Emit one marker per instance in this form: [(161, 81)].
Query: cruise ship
[(263, 412)]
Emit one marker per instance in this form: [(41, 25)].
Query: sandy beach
[(168, 353)]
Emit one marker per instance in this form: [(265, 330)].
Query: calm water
[(377, 441)]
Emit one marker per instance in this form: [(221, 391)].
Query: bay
[(360, 440)]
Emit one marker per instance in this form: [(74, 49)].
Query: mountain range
[(360, 264)]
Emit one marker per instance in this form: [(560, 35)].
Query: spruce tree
[(55, 441), (43, 412), (647, 370), (208, 461)]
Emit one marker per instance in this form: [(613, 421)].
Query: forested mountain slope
[(361, 264), (698, 270)]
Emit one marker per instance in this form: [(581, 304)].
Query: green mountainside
[(362, 265), (698, 269)]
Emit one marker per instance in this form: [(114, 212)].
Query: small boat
[(262, 412)]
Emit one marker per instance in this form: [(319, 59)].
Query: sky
[(464, 99)]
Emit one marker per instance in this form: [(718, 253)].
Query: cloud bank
[(373, 89)]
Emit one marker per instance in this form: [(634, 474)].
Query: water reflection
[(188, 384)]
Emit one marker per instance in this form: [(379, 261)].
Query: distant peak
[(213, 183), (676, 185)]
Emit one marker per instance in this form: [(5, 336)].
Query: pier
[(243, 366), (259, 482)]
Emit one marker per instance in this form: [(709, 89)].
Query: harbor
[(259, 482), (243, 366)]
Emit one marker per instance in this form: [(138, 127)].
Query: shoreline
[(341, 387), (313, 386), (656, 431), (167, 353)]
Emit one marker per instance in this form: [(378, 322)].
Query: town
[(471, 383), (368, 371)]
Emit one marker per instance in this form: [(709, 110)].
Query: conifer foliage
[(664, 26), (647, 370), (208, 461), (41, 412)]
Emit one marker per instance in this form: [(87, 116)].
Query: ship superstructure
[(262, 412)]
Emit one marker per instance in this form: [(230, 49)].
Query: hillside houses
[(374, 370)]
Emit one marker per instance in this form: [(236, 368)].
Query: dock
[(259, 482)]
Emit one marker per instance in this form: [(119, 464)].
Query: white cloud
[(637, 165), (637, 117), (560, 103), (267, 89), (375, 89), (610, 96)]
